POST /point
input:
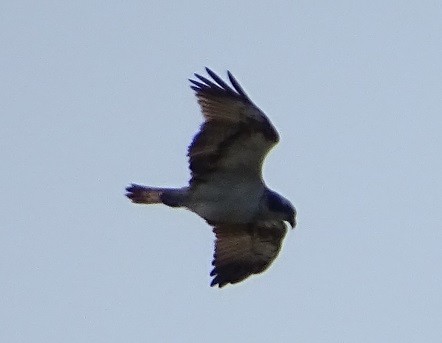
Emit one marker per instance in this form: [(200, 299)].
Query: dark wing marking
[(236, 135), (245, 249)]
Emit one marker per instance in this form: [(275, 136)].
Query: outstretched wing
[(236, 135), (245, 249)]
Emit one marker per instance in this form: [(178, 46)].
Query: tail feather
[(173, 197), (144, 195)]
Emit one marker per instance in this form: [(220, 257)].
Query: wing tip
[(208, 70), (216, 282), (218, 85)]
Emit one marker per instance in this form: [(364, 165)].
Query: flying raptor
[(226, 186)]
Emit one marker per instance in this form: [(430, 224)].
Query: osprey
[(226, 186)]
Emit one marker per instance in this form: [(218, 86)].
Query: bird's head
[(281, 207)]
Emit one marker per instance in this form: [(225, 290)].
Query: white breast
[(227, 201)]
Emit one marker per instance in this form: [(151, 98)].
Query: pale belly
[(227, 203)]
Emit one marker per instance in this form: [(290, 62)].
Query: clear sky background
[(94, 95)]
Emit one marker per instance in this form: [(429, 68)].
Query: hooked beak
[(292, 222)]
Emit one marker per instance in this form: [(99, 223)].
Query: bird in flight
[(226, 186)]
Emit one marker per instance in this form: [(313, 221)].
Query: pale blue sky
[(94, 95)]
